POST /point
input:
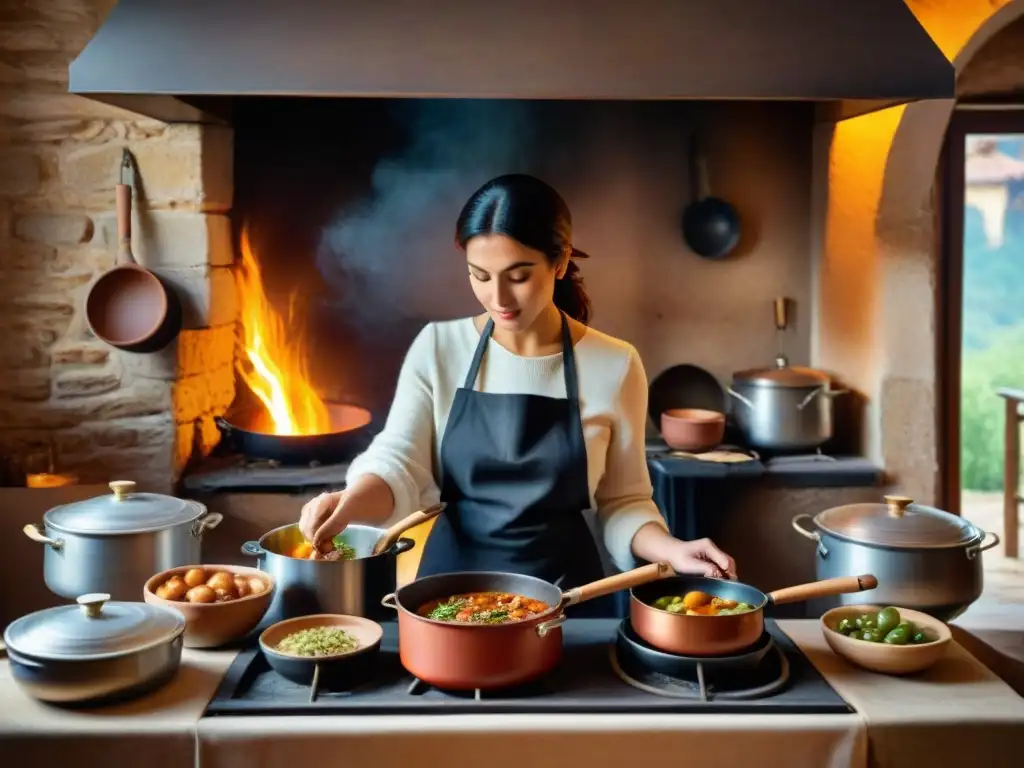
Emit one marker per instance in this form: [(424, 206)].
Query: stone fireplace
[(223, 148)]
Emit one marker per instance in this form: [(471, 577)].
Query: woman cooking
[(521, 419)]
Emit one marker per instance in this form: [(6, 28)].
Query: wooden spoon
[(390, 536)]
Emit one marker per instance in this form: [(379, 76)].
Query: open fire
[(273, 360)]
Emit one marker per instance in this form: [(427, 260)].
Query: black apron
[(514, 477)]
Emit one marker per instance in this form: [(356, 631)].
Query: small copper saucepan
[(467, 656), (128, 306), (725, 634)]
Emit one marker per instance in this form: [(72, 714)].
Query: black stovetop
[(589, 679)]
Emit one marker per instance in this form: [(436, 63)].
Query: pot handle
[(976, 549), (826, 588), (205, 523), (253, 549), (739, 397), (546, 626), (812, 535), (393, 604), (619, 581), (400, 546), (33, 532)]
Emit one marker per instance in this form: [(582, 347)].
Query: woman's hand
[(701, 557), (321, 520)]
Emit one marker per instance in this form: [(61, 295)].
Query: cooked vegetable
[(884, 626), (318, 641), (483, 608), (198, 585), (201, 594), (701, 604), (341, 551)]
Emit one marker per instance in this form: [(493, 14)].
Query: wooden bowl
[(881, 657), (209, 625), (692, 429), (338, 670)]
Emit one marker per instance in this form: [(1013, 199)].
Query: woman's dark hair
[(534, 214)]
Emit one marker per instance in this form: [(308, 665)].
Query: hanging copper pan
[(128, 306)]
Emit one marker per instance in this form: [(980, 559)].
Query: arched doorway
[(881, 309)]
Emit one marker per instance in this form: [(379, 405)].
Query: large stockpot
[(925, 559), (349, 587), (112, 544), (785, 408), (96, 652)]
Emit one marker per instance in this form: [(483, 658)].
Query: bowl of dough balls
[(220, 603)]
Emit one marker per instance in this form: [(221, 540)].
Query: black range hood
[(184, 59)]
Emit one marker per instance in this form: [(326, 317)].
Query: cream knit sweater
[(613, 404)]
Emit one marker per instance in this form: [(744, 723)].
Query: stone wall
[(109, 413)]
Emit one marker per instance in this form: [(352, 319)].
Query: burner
[(525, 691), (589, 679), (760, 671)]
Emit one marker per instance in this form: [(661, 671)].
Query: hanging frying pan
[(711, 226), (128, 306)]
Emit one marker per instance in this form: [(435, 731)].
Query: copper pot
[(458, 656), (128, 306), (720, 635)]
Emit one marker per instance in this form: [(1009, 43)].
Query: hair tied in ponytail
[(576, 253)]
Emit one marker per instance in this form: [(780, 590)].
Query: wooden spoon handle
[(618, 582), (390, 536), (826, 588)]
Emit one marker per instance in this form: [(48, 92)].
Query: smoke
[(394, 251)]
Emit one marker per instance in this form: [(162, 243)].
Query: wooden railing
[(1011, 470)]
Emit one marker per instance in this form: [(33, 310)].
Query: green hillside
[(993, 335)]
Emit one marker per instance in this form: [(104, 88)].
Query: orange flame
[(274, 364)]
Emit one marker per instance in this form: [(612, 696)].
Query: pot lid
[(783, 375), (897, 523), (123, 511), (96, 627)]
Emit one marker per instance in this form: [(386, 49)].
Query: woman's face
[(512, 282)]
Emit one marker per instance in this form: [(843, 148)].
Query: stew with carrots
[(483, 608)]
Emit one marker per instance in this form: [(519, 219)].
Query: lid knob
[(898, 505), (92, 604), (122, 489)]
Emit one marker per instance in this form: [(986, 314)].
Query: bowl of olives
[(220, 603), (887, 639)]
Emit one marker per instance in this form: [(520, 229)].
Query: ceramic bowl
[(209, 625), (882, 657), (692, 429), (338, 670)]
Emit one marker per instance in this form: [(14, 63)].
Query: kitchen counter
[(906, 721)]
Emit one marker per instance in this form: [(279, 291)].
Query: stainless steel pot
[(96, 652), (925, 559), (785, 408), (305, 587), (113, 544)]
